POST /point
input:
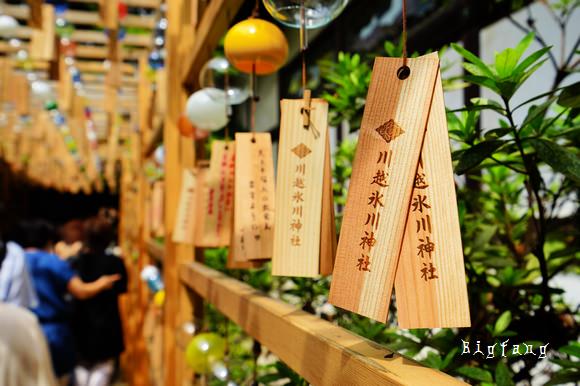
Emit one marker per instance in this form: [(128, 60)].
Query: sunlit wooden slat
[(22, 12)]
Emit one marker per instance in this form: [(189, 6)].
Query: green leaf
[(475, 373), (572, 350), (564, 376), (524, 44), (497, 133), (558, 157), (448, 358), (566, 363), (475, 155), (474, 69), (503, 376), (502, 323), (484, 82), (530, 60), (433, 360), (570, 96), (505, 62), (473, 59)]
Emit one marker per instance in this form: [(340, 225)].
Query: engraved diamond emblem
[(389, 130), (301, 150)]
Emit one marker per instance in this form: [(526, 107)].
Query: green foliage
[(514, 177), (525, 170), (347, 82)]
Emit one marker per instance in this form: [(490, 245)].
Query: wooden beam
[(130, 3), (213, 25), (96, 66), (96, 52), (22, 12), (126, 81), (318, 350), (87, 36)]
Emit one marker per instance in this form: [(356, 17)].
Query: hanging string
[(256, 10), (255, 98), (404, 32), (303, 43), (306, 95), (228, 107)]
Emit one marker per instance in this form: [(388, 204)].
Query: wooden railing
[(321, 352)]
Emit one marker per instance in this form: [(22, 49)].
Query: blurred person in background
[(15, 283), (54, 279), (97, 322), (24, 358), (71, 239)]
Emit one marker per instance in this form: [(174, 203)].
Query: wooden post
[(35, 19), (42, 41), (179, 153)]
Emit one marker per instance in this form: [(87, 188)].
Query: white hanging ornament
[(40, 88), (206, 109), (159, 155), (7, 24)]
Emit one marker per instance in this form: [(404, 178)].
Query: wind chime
[(305, 236), (256, 47), (400, 225)]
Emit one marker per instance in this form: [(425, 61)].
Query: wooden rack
[(321, 352)]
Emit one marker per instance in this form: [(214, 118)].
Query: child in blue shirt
[(54, 280)]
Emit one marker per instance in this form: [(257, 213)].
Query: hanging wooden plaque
[(430, 285), (201, 202), (157, 209), (299, 187), (391, 137), (218, 196), (20, 93), (254, 197), (184, 228), (328, 225), (65, 87)]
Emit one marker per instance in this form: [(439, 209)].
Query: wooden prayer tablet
[(430, 286), (392, 132), (299, 191), (157, 194), (215, 225), (184, 228), (328, 225), (201, 202), (254, 197)]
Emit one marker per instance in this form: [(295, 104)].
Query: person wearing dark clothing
[(54, 280), (97, 324)]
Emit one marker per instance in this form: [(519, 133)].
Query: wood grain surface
[(185, 218), (299, 186), (430, 283), (254, 197), (391, 137)]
